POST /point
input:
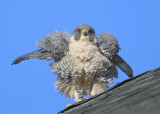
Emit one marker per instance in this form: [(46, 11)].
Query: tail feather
[(123, 66)]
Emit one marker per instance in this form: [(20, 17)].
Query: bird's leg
[(80, 98), (77, 99)]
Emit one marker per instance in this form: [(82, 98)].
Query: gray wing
[(109, 47), (53, 46)]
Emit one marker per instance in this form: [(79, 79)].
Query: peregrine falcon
[(84, 62)]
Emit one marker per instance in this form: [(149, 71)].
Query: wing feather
[(53, 46), (109, 47)]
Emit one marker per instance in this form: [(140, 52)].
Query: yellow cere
[(84, 30)]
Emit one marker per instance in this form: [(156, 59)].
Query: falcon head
[(84, 32)]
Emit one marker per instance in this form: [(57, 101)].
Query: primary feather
[(53, 46)]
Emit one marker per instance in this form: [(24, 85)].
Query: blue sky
[(28, 88)]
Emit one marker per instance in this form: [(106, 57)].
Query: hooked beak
[(84, 32)]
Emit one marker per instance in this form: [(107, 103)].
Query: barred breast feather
[(84, 70)]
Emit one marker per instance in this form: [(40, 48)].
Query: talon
[(68, 105), (78, 100), (83, 98)]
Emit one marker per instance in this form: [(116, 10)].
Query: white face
[(83, 37)]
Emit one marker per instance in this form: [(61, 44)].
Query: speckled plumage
[(84, 62)]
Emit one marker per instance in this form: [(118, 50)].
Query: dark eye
[(91, 31), (78, 30)]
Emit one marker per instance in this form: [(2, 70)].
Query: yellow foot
[(83, 98), (68, 105), (78, 100)]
